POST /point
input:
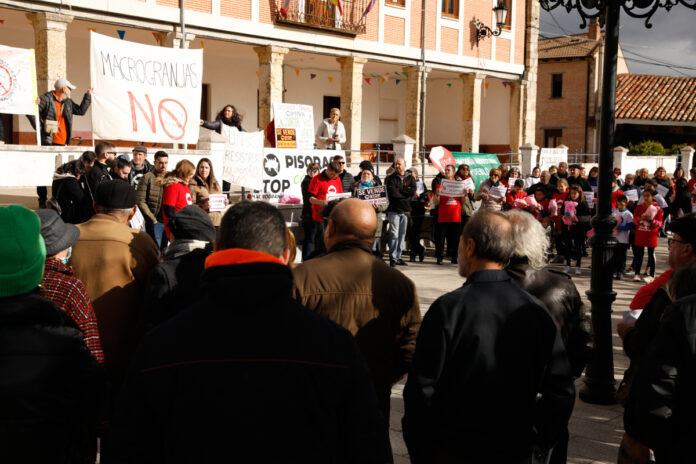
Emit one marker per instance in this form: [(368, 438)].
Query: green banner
[(479, 163)]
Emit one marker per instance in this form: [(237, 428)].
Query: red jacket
[(646, 234), (318, 187), (177, 195)]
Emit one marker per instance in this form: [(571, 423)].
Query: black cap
[(191, 222), (365, 164), (57, 235), (140, 148), (685, 226), (575, 166), (115, 194)]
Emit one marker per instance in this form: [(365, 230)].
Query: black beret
[(192, 222), (115, 194)]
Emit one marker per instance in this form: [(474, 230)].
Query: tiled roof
[(656, 98), (569, 46)]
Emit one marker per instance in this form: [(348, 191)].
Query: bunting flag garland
[(154, 34), (121, 34), (202, 45), (2, 21), (297, 72), (312, 76), (405, 74), (449, 84), (285, 7), (384, 79), (367, 79), (397, 81), (331, 79), (369, 7), (94, 29), (258, 74), (486, 84), (505, 84)]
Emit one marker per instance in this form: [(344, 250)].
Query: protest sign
[(17, 81), (453, 188), (374, 195), (294, 125), (469, 184), (217, 202), (662, 190), (589, 197), (480, 164), (145, 93), (498, 191), (441, 158), (552, 157), (632, 194), (283, 170), (420, 187), (337, 196), (660, 201), (137, 222), (243, 163)]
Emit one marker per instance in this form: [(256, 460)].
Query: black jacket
[(71, 198), (558, 292), (217, 125), (483, 353), (400, 191), (556, 177), (47, 111), (248, 373), (172, 286), (581, 181), (346, 181), (306, 205), (95, 176), (48, 387), (661, 408)]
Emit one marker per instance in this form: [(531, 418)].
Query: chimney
[(593, 32)]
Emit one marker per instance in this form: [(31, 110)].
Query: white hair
[(530, 237)]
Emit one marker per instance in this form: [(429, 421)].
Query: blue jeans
[(156, 231), (398, 223)]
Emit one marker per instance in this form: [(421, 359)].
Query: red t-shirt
[(449, 209), (512, 196), (692, 182), (319, 186), (614, 196), (177, 195)]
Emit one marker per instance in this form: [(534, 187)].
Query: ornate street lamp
[(599, 377), (483, 31)]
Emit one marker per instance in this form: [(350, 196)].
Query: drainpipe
[(182, 11), (421, 142)]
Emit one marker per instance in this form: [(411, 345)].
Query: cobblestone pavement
[(595, 431)]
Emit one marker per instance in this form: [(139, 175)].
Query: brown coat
[(114, 261), (200, 193), (377, 304)]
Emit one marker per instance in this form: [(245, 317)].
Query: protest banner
[(480, 164), (631, 195), (374, 195), (552, 157), (217, 202), (145, 93), (337, 196), (17, 80), (243, 162), (294, 125), (453, 188), (284, 169)]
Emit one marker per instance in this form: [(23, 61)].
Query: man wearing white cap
[(56, 110)]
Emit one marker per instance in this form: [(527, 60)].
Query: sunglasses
[(341, 162), (312, 170), (463, 169)]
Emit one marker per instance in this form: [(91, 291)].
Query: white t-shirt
[(623, 217)]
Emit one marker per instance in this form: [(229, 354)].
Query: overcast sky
[(671, 40)]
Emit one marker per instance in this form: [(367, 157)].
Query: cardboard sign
[(589, 197), (552, 157), (469, 184), (243, 162), (662, 190), (291, 118), (660, 201), (453, 188), (137, 222), (337, 196), (374, 195), (420, 187), (632, 195), (145, 93), (283, 170), (217, 202), (17, 80), (286, 138)]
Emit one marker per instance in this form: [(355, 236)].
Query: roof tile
[(656, 98), (569, 46)]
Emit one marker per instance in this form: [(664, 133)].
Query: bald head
[(353, 218)]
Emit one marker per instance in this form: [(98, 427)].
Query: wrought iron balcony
[(343, 16)]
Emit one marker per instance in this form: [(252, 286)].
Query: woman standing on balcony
[(331, 133), (227, 116)]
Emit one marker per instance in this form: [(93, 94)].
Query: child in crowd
[(542, 207), (575, 216), (559, 197), (648, 219), (517, 193), (624, 224)]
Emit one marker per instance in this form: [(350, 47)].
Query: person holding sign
[(176, 194), (492, 191), (331, 133), (202, 186), (319, 187), (449, 221), (56, 110), (648, 219), (367, 180)]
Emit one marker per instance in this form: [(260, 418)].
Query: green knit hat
[(22, 250)]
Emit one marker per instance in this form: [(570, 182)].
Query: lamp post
[(483, 31), (599, 376)]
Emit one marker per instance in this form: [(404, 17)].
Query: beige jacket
[(114, 262), (200, 194)]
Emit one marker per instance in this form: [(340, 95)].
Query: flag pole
[(37, 122)]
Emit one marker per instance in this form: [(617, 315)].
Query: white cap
[(62, 82)]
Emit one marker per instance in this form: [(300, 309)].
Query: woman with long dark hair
[(68, 193), (176, 194), (228, 116), (202, 185)]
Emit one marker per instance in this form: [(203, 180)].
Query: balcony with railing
[(341, 16)]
